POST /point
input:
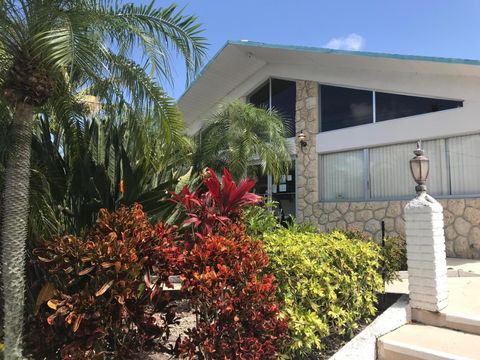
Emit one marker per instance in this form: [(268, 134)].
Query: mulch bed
[(332, 343), (186, 321)]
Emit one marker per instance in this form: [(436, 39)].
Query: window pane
[(283, 100), (261, 186), (284, 194), (343, 107), (261, 98), (464, 153), (394, 106), (390, 170), (343, 176), (437, 181)]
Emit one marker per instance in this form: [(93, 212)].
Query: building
[(362, 114)]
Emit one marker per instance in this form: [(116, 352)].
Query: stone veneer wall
[(461, 216), (306, 120), (461, 219)]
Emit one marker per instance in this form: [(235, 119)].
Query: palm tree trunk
[(14, 228)]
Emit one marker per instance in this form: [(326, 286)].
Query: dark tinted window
[(261, 97), (343, 107), (284, 194), (394, 106), (283, 100), (255, 172)]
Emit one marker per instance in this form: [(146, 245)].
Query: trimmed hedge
[(328, 283)]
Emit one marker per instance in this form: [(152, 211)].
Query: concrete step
[(415, 342), (463, 310), (446, 319)]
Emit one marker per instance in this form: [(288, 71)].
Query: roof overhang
[(240, 60)]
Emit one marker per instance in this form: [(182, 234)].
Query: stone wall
[(306, 120), (461, 219), (461, 216)]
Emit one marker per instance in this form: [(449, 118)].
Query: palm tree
[(52, 52), (239, 134)]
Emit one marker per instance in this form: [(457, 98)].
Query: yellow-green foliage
[(328, 283)]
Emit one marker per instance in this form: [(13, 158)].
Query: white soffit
[(239, 60)]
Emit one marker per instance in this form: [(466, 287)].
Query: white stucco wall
[(403, 80)]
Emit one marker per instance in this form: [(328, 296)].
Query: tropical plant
[(98, 296), (240, 133), (394, 257), (224, 275), (113, 160), (54, 53), (328, 283), (238, 313), (215, 203), (260, 219), (393, 252)]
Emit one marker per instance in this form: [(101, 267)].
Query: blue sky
[(415, 27)]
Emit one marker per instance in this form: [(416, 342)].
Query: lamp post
[(420, 167), (427, 266)]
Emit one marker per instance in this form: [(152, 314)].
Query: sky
[(446, 28)]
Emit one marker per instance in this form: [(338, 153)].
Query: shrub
[(260, 219), (393, 251), (328, 283), (98, 300), (215, 203), (394, 257), (238, 314), (237, 311), (295, 227)]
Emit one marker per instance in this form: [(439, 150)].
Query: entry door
[(282, 192)]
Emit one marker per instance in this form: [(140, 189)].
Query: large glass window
[(284, 194), (261, 97), (282, 98), (464, 160), (261, 186), (394, 106), (343, 175), (343, 107), (454, 170), (390, 172), (284, 95)]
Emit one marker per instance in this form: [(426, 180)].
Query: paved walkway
[(457, 268), (452, 333)]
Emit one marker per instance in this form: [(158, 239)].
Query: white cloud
[(353, 42)]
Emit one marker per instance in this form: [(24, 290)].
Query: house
[(361, 114)]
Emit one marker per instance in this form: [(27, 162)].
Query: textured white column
[(426, 258)]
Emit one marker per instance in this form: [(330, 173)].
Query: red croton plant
[(99, 295), (217, 203), (238, 315), (98, 301)]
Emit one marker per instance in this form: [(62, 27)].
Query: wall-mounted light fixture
[(302, 139), (420, 167)]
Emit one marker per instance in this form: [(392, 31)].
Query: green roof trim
[(320, 50)]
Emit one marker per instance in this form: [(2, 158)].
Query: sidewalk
[(456, 268)]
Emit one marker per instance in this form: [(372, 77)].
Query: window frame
[(269, 81), (366, 174), (374, 102)]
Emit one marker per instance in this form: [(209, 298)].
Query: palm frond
[(239, 134)]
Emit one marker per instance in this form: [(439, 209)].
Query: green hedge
[(328, 283)]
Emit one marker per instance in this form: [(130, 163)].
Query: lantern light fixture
[(420, 167), (302, 139)]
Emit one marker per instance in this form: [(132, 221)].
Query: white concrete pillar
[(426, 258)]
